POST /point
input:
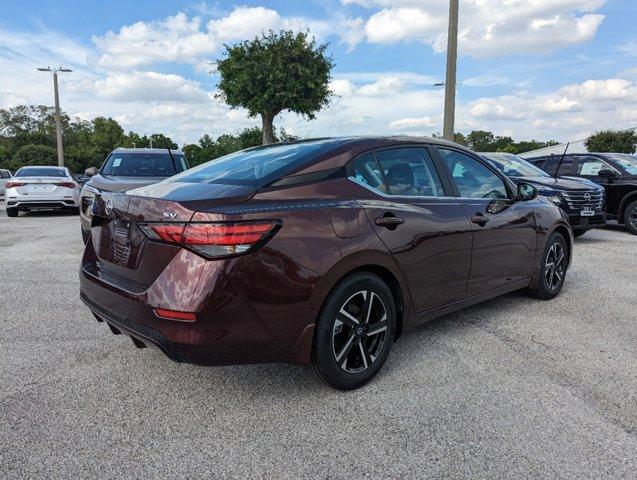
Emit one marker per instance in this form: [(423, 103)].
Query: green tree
[(480, 140), (619, 141), (276, 72), (33, 155), (107, 135), (162, 141)]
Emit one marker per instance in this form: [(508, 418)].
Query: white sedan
[(41, 188)]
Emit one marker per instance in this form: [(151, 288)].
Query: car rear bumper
[(230, 328), (40, 203)]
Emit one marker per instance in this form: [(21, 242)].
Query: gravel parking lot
[(513, 388)]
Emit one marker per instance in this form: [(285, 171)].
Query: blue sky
[(529, 68)]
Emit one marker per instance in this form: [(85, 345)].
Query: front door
[(504, 234), (588, 167), (415, 215)]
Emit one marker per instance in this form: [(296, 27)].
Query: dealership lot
[(515, 387)]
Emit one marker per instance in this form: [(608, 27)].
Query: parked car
[(5, 176), (41, 188), (616, 172), (316, 252), (581, 200), (125, 169)]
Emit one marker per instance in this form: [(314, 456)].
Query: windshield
[(256, 166), (143, 164), (627, 162), (41, 172), (514, 166)]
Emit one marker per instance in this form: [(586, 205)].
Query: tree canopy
[(619, 141), (276, 72)]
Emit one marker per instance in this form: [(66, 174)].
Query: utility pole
[(58, 119), (450, 82)]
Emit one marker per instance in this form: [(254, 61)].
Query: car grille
[(590, 198)]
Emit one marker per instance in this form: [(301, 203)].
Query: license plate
[(587, 212)]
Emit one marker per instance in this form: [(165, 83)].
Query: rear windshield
[(514, 166), (143, 165), (257, 166), (41, 172)]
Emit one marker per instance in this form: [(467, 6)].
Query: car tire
[(12, 212), (85, 235), (350, 346), (553, 267), (630, 218), (579, 233)]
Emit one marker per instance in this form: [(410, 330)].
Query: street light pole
[(450, 83), (58, 119)]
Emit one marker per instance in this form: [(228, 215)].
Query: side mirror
[(526, 192), (90, 171), (607, 173)]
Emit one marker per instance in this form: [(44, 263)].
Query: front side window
[(590, 166), (473, 179), (124, 164), (410, 172)]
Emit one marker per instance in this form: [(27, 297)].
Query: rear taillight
[(65, 184), (14, 184), (214, 240), (175, 315)]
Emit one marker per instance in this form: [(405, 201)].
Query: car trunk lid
[(123, 250)]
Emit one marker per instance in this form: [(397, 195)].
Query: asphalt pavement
[(512, 388)]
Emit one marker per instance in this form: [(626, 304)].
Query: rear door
[(413, 211), (504, 235)]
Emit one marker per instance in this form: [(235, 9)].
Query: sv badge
[(170, 215)]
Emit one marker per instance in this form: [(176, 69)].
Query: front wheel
[(630, 218), (553, 268), (354, 332)]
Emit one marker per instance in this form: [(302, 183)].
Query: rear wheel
[(579, 233), (630, 218), (553, 268), (12, 212), (354, 332)]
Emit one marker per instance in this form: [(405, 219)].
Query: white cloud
[(149, 86), (553, 105), (414, 123), (487, 27), (611, 89), (180, 39)]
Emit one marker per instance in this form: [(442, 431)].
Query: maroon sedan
[(316, 252)]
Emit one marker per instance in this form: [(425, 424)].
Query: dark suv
[(581, 199), (616, 172), (125, 169), (316, 252)]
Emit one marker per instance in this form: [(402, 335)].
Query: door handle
[(479, 219), (389, 222)]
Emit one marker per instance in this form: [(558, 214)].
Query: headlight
[(551, 197)]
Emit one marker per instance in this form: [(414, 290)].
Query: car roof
[(41, 166), (147, 150)]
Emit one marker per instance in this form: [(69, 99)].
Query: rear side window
[(143, 165), (367, 171), (410, 172), (4, 174), (565, 169), (473, 179)]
